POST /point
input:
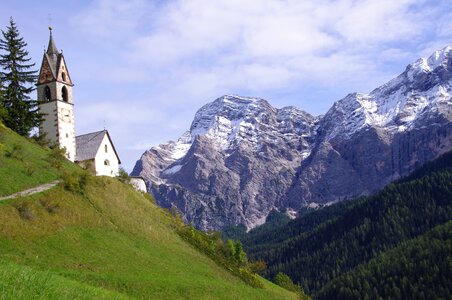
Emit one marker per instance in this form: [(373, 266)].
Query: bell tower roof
[(51, 49), (53, 67)]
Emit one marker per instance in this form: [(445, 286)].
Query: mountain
[(235, 163), (329, 249), (243, 158), (97, 238)]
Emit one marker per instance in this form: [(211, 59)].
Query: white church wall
[(106, 162), (66, 128), (138, 183), (50, 122)]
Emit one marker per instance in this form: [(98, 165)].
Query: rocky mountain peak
[(397, 104), (242, 158)]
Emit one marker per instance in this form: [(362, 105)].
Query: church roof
[(52, 55), (54, 59), (51, 49), (88, 144)]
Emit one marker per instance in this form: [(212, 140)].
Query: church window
[(64, 94), (106, 162), (47, 93), (106, 149), (63, 75)]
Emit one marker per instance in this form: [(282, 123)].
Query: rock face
[(242, 157)]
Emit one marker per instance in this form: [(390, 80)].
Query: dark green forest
[(417, 269), (345, 248)]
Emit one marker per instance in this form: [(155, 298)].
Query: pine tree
[(2, 107), (20, 111)]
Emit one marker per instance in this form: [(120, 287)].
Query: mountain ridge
[(242, 157)]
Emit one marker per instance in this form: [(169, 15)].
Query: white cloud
[(190, 52)]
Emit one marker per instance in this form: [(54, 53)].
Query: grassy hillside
[(20, 282), (93, 237), (24, 165)]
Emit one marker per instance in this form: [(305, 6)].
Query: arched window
[(63, 75), (106, 149), (106, 162), (64, 94), (47, 93)]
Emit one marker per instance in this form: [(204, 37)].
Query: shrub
[(56, 157), (257, 266), (16, 153), (123, 176), (76, 181), (88, 165), (29, 169), (24, 211), (50, 206), (41, 139), (230, 255), (286, 282), (250, 278)]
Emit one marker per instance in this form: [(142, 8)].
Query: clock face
[(66, 114)]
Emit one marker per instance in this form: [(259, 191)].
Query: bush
[(123, 176), (257, 266), (41, 139), (76, 181), (56, 157), (286, 282), (250, 278), (230, 255), (50, 206), (16, 153), (24, 211)]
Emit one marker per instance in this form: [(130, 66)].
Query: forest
[(342, 248)]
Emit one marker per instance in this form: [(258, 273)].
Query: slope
[(25, 165), (98, 236), (416, 269), (324, 244)]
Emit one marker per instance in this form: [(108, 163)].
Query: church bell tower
[(55, 95)]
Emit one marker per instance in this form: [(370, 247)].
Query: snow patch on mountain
[(232, 119), (396, 104)]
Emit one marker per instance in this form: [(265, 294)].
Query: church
[(94, 151)]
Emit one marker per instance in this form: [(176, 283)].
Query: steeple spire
[(51, 49)]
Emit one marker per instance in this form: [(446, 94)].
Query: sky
[(142, 69)]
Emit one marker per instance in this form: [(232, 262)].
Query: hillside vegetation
[(97, 238), (24, 164), (358, 237)]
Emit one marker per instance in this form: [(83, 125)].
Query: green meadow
[(96, 238)]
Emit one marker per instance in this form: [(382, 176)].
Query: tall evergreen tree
[(20, 111), (2, 107)]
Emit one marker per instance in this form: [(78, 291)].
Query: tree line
[(324, 245)]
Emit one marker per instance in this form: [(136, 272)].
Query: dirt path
[(37, 189)]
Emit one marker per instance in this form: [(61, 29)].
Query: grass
[(20, 282), (24, 164), (104, 240)]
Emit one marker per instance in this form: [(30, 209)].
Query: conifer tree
[(2, 108), (20, 111)]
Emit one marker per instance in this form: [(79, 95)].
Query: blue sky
[(143, 68)]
